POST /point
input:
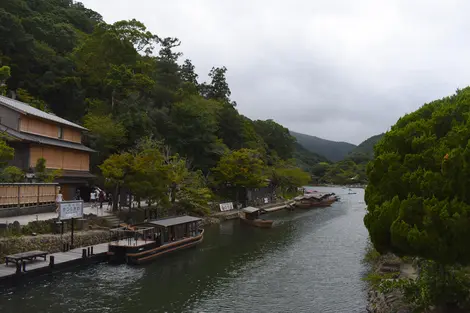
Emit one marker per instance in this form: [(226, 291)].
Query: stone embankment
[(386, 266)]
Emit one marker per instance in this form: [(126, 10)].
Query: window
[(61, 132)]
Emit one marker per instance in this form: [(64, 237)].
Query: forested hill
[(306, 159), (332, 150), (125, 83), (367, 146)]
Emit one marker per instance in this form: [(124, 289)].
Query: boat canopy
[(172, 221), (316, 196), (250, 210)]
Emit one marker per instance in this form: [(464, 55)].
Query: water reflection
[(309, 262)]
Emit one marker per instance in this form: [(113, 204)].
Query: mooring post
[(18, 268), (91, 250), (84, 253), (51, 261), (24, 266), (71, 235)]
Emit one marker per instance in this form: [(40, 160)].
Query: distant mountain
[(332, 150), (306, 159), (367, 146)]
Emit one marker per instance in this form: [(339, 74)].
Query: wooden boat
[(315, 200), (250, 216), (147, 241)]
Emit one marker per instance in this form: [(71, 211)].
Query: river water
[(310, 261)]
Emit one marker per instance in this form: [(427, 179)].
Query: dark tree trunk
[(173, 192), (115, 198)]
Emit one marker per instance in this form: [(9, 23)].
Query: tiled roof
[(44, 140), (29, 110), (77, 174)]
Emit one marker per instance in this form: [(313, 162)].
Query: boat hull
[(152, 251), (257, 222), (312, 204)]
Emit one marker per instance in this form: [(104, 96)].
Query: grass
[(375, 279), (371, 256)]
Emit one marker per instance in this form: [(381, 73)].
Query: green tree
[(5, 73), (116, 170), (148, 178), (106, 134), (6, 153), (287, 178), (24, 96), (193, 194), (278, 139), (12, 174), (218, 89), (42, 174), (417, 196), (241, 169), (192, 131)]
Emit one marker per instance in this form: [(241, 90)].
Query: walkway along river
[(311, 261)]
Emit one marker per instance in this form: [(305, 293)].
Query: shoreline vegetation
[(418, 206), (383, 268)]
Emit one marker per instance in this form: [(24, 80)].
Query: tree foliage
[(125, 83), (241, 168), (42, 174), (417, 196), (287, 178)]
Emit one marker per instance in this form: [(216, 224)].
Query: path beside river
[(311, 261)]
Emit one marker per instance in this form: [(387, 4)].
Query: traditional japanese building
[(35, 134)]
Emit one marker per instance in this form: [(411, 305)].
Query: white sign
[(70, 209), (226, 206)]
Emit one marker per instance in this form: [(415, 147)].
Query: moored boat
[(313, 200), (147, 241), (250, 216)]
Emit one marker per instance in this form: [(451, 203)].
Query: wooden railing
[(16, 195)]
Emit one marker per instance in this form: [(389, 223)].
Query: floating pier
[(54, 262)]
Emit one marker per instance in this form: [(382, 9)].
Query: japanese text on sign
[(70, 209), (226, 206)]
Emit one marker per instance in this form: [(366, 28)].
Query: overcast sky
[(339, 69)]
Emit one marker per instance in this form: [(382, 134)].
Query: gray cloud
[(339, 69)]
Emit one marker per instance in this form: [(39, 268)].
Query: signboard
[(226, 206), (70, 209)]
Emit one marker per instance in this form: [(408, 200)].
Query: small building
[(35, 134)]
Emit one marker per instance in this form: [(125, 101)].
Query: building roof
[(76, 174), (29, 110), (44, 140), (250, 209), (175, 221)]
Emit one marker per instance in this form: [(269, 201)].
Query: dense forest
[(351, 161), (332, 150), (141, 101), (367, 147), (130, 87)]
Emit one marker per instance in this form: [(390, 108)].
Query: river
[(310, 261)]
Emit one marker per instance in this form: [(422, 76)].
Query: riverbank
[(310, 259), (386, 267), (50, 243)]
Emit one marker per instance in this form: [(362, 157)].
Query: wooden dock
[(61, 260)]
